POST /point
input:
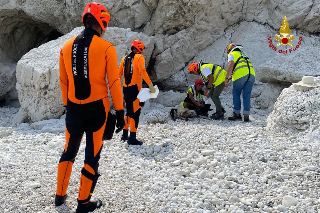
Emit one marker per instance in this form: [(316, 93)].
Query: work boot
[(217, 116), (133, 140), (246, 118), (88, 207), (124, 136), (235, 117), (59, 200)]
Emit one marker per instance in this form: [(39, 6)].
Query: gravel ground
[(201, 166)]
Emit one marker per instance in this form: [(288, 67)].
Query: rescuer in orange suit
[(132, 67), (85, 62)]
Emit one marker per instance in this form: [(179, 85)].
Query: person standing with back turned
[(132, 66), (243, 77), (85, 61)]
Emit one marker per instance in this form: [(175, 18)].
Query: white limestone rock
[(267, 95), (207, 152), (296, 110), (291, 67), (203, 174), (289, 201), (233, 158), (7, 78), (174, 34), (37, 72), (5, 132), (169, 98)]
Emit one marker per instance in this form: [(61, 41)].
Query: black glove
[(120, 120)]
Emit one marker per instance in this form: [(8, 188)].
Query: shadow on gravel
[(159, 151), (63, 209)]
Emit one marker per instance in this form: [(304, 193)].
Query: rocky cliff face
[(179, 32)]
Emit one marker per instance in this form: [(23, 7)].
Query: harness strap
[(248, 65), (235, 64), (249, 70), (213, 69), (128, 68)]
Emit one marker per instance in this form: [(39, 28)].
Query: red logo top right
[(285, 38)]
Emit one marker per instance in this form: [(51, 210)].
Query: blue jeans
[(242, 85)]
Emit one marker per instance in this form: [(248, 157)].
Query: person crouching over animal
[(194, 104), (195, 99), (214, 76)]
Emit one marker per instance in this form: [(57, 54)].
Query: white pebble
[(289, 201)]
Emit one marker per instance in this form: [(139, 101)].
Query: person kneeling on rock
[(194, 101)]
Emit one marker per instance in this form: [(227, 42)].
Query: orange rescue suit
[(132, 67), (84, 63)]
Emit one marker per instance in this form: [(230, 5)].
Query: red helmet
[(99, 12), (198, 81), (193, 67), (230, 46), (138, 44)]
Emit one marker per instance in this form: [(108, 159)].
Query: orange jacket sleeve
[(143, 71), (63, 79), (121, 68), (113, 78)]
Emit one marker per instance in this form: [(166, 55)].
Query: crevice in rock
[(21, 34), (306, 15), (150, 68)]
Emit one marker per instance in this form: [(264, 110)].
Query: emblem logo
[(284, 39), (284, 32)]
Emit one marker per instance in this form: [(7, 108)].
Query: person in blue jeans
[(243, 78)]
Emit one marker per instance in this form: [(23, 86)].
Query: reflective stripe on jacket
[(241, 68), (219, 74), (196, 97)]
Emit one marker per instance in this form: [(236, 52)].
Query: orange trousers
[(83, 118)]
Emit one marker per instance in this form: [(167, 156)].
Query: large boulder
[(296, 110), (292, 67), (38, 73), (168, 17), (270, 66), (183, 31), (265, 95)]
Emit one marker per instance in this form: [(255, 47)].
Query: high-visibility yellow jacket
[(196, 97), (242, 65), (219, 74)]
